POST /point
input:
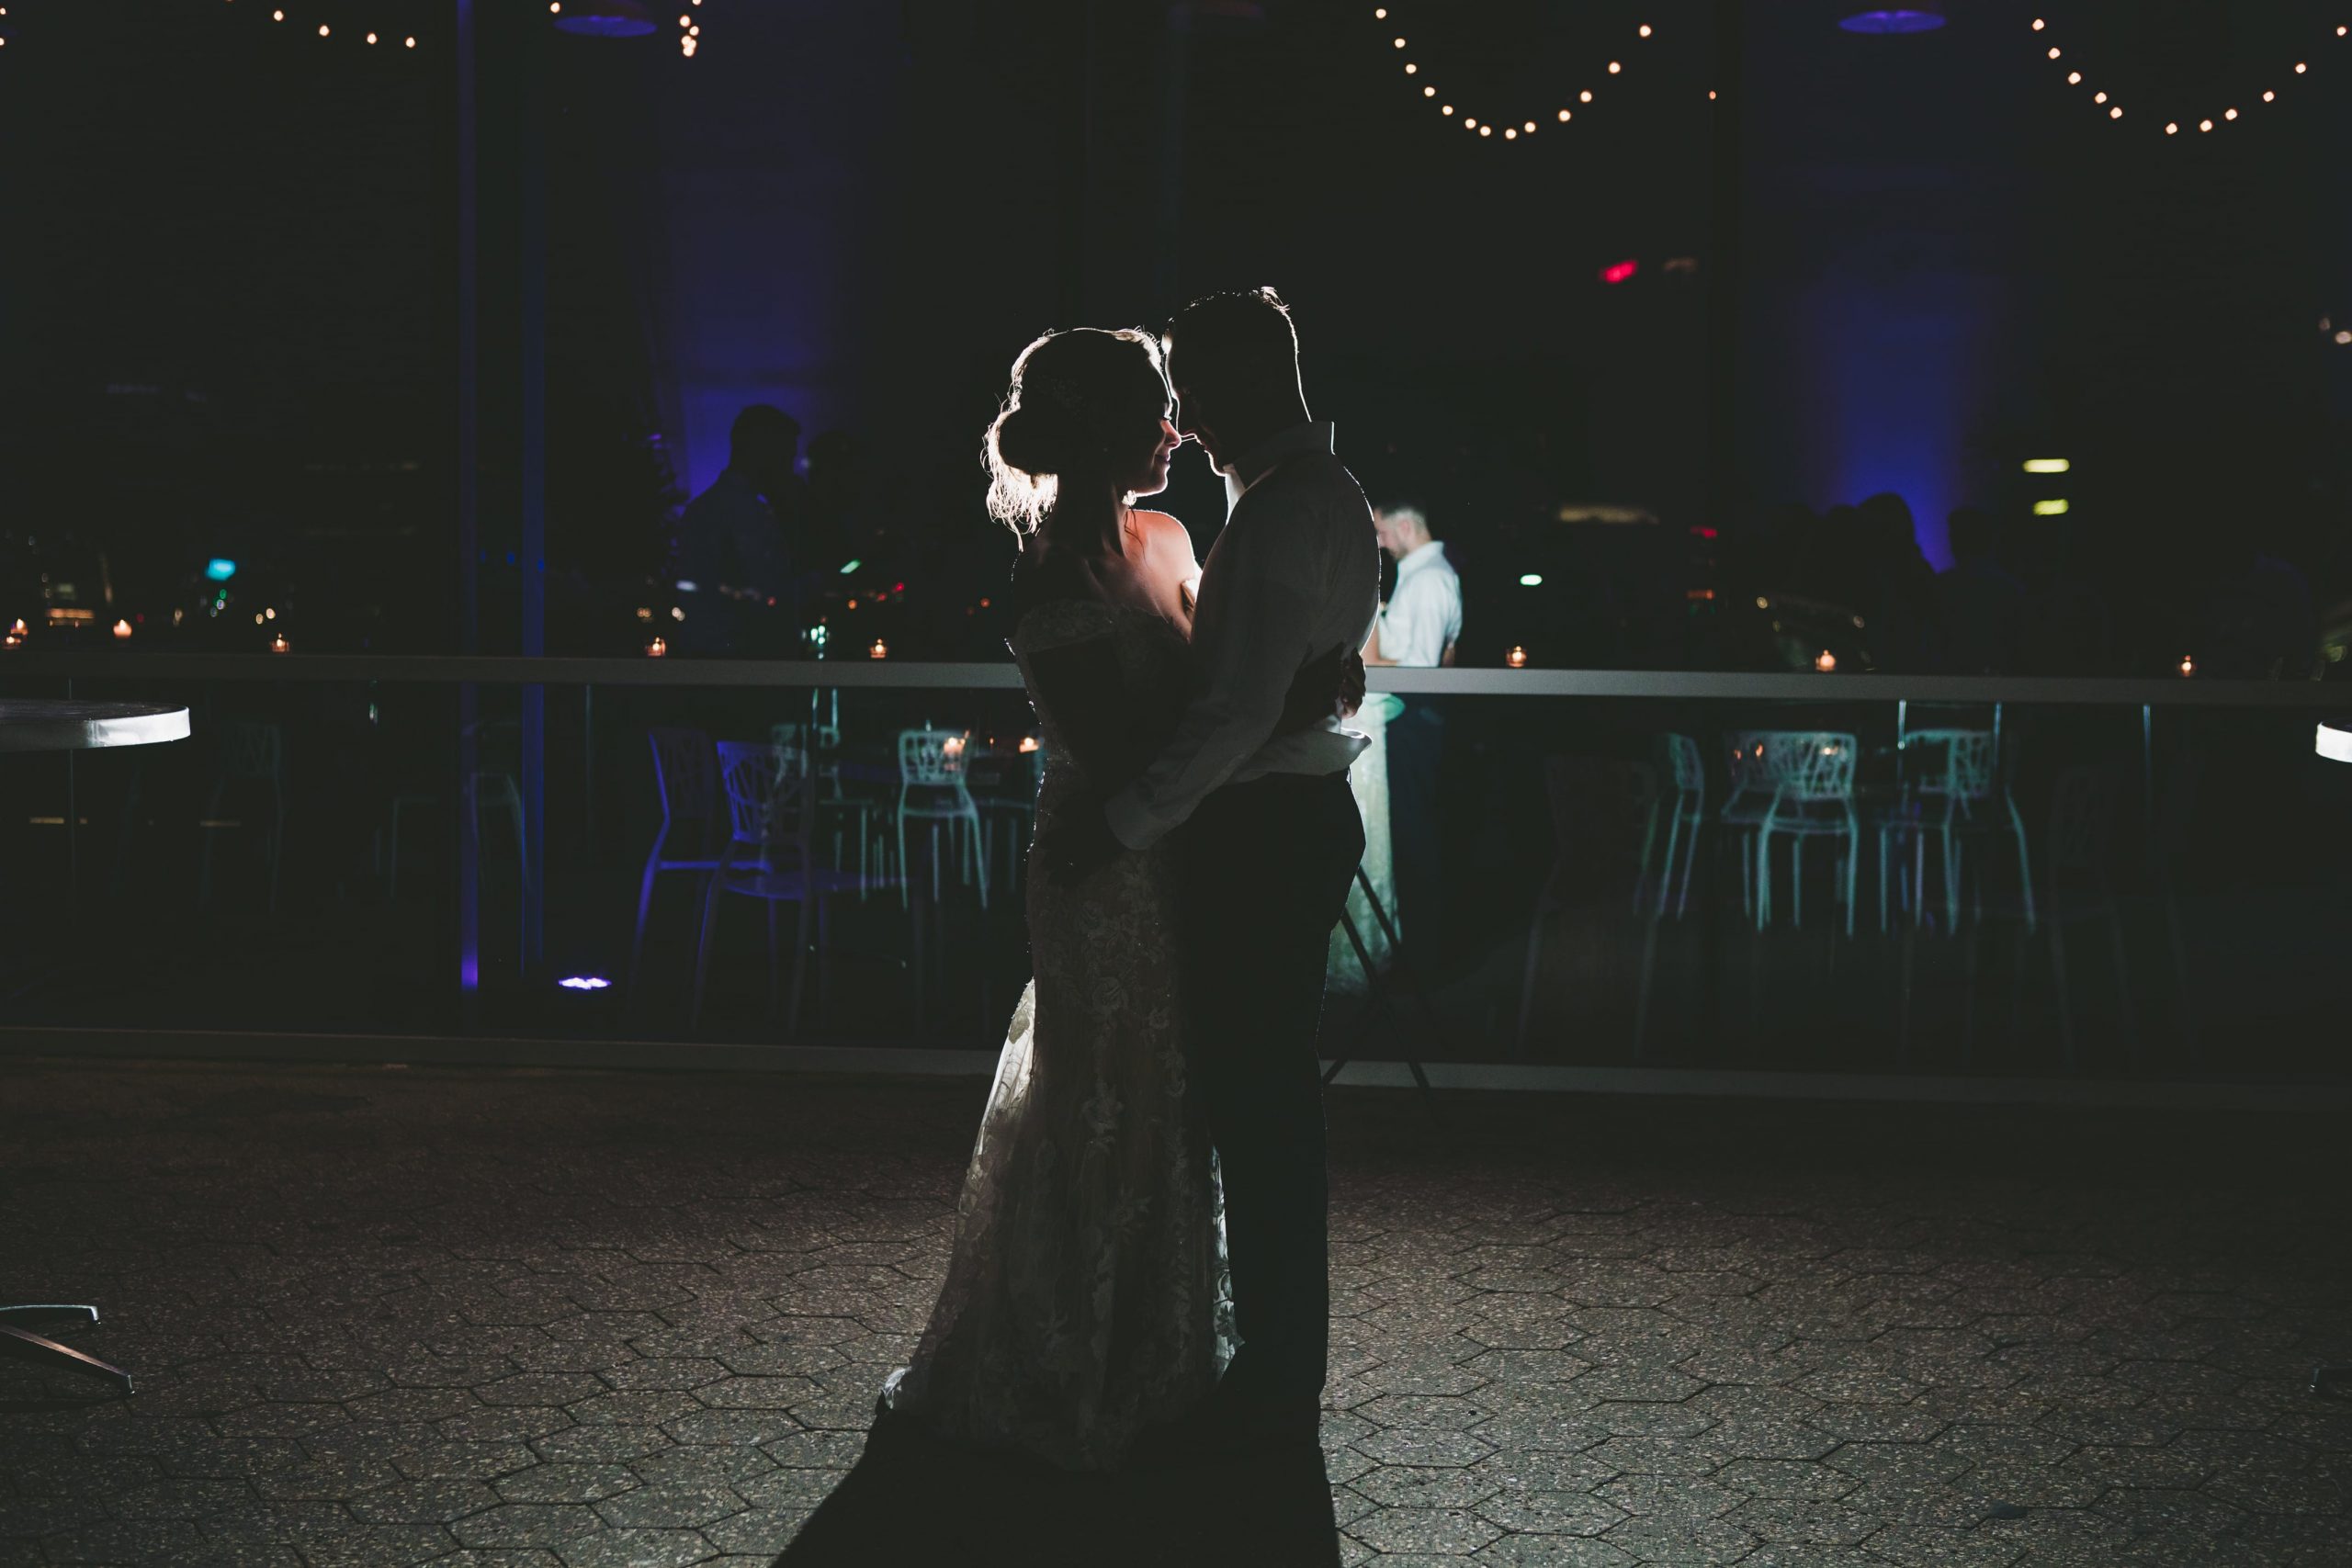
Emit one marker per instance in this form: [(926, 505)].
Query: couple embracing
[(1140, 1267)]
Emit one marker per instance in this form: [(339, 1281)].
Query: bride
[(1085, 1300)]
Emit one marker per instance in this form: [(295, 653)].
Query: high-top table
[(33, 724)]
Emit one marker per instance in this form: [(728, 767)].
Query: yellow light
[(371, 38), (1397, 42), (2188, 665), (1486, 130), (2049, 465), (1529, 127), (2115, 113), (2173, 128), (2051, 508), (1825, 661), (1614, 68), (1516, 659), (1380, 13), (2098, 97), (1510, 136), (322, 30), (1565, 116), (1469, 122), (2269, 97), (277, 16), (2204, 125), (2039, 24), (1584, 97), (1411, 68), (2229, 114), (1028, 744), (657, 649), (1429, 92), (2074, 78), (1646, 29), (1447, 108), (408, 43), (122, 631), (280, 645), (2300, 68), (2345, 337), (879, 649)]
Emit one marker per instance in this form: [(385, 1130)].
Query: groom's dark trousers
[(1265, 868)]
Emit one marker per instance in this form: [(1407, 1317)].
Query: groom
[(1267, 832)]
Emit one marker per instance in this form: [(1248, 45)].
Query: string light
[(1401, 41), (2205, 124)]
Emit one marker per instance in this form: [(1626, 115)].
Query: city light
[(1531, 580), (220, 570), (584, 982), (1825, 661), (2047, 465), (2051, 508), (852, 567), (1516, 658)]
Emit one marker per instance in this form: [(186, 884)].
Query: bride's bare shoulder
[(1163, 532)]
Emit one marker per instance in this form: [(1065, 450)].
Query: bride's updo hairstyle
[(1084, 409)]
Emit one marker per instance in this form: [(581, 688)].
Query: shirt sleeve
[(1250, 639)]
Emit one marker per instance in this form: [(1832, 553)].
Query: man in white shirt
[(1269, 832), (1418, 627)]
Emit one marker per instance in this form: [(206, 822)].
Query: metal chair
[(1686, 815), (931, 789), (1813, 798), (1747, 800), (1958, 795), (247, 757), (1594, 804), (685, 778), (769, 855)]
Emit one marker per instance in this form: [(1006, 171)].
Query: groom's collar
[(1308, 435)]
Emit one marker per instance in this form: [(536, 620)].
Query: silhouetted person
[(1980, 607), (1898, 585), (732, 560)]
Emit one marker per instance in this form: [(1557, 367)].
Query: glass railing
[(1800, 874)]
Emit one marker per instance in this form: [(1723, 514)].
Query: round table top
[(29, 724), (2336, 740)]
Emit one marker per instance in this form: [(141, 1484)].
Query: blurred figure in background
[(1418, 628), (1980, 607), (733, 562), (1898, 586)]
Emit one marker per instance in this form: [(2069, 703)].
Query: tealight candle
[(1516, 658)]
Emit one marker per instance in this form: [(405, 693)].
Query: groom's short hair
[(1241, 337)]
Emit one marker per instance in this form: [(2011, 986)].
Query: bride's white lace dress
[(1086, 1297)]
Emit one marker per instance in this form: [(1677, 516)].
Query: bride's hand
[(1331, 684)]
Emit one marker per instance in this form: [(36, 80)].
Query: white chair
[(769, 855), (1687, 814), (1951, 788), (685, 778), (1747, 800), (931, 789), (1813, 798)]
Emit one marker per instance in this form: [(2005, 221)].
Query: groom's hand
[(1079, 843), (1330, 685)]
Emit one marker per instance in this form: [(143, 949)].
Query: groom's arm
[(1249, 640)]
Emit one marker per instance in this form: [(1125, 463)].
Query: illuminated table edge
[(83, 726), (2335, 742)]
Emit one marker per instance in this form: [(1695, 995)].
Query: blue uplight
[(1893, 19), (219, 571)]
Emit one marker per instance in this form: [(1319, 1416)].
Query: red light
[(901, 588), (1620, 272), (1704, 532)]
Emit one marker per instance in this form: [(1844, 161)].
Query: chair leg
[(1882, 837), (644, 907), (1666, 866), (906, 893), (703, 946), (1853, 872), (2025, 868), (980, 864), (2065, 999), (1527, 975), (1796, 880), (799, 963), (1690, 863)]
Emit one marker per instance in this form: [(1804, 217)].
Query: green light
[(1531, 580), (2048, 465), (2050, 508), (853, 566)]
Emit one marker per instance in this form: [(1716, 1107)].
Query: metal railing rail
[(1675, 686)]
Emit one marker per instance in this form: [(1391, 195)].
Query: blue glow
[(219, 570), (583, 983), (1893, 19)]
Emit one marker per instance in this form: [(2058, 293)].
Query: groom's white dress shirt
[(1294, 574)]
